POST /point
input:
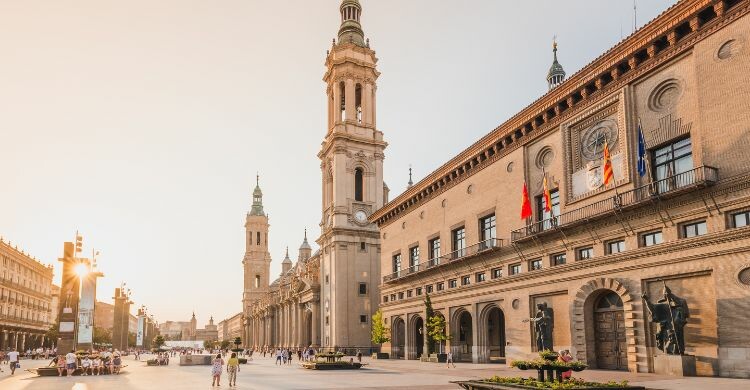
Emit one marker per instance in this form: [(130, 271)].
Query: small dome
[(305, 244)]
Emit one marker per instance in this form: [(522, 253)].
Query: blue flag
[(641, 151)]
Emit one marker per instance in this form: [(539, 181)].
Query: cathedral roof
[(257, 208), (305, 244), (556, 68), (287, 260)]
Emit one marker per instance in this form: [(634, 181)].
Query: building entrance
[(609, 327)]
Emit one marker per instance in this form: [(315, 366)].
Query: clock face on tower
[(360, 216)]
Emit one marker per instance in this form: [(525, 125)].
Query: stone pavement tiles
[(380, 374)]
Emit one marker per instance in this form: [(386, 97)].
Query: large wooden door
[(611, 346)]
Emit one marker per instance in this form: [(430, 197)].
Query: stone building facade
[(25, 300), (457, 234), (327, 299)]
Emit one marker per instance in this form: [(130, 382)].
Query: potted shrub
[(548, 355), (379, 334)]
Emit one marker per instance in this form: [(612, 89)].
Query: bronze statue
[(670, 313), (544, 324)]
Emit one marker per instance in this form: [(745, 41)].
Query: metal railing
[(460, 254), (702, 176)]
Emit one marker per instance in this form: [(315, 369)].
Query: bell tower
[(257, 260), (352, 182)]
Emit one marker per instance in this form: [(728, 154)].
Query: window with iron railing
[(414, 259), (544, 216), (487, 231), (459, 242), (434, 247), (670, 161), (397, 264)]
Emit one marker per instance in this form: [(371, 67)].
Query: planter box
[(195, 360), (52, 371), (331, 366), (380, 355), (481, 385)]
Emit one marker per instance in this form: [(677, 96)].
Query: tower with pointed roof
[(257, 260), (556, 74), (352, 173), (305, 250)]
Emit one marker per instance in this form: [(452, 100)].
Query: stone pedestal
[(676, 365)]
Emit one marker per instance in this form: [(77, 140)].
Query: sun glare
[(81, 270)]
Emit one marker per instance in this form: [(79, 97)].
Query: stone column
[(351, 111), (408, 350), (367, 104), (315, 318), (475, 350)]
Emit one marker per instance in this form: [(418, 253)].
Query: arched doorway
[(307, 335), (463, 337), (496, 335), (399, 338), (419, 337), (609, 331)]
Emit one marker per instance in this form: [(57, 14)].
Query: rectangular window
[(741, 219), (441, 286), (362, 246), (419, 291), (535, 265), (616, 246), (515, 269), (694, 229), (558, 259), (585, 253), (428, 288), (670, 163), (251, 237), (497, 273), (401, 295), (385, 298), (459, 243), (434, 245), (257, 281), (481, 277), (453, 283), (362, 288), (544, 215), (393, 297), (326, 320), (487, 232), (397, 264), (408, 293), (414, 259), (327, 279), (257, 238), (465, 280), (652, 238), (362, 319)]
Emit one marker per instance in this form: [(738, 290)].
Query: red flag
[(608, 174), (547, 196), (525, 203)]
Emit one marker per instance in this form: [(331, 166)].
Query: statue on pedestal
[(544, 324), (670, 313)]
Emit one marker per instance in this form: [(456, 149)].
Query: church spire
[(410, 183), (257, 208), (351, 30), (556, 73)]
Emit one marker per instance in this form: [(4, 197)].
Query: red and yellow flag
[(608, 173), (547, 196), (525, 203)]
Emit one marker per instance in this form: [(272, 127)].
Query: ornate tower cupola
[(286, 265), (305, 250), (351, 30), (257, 208), (556, 74)]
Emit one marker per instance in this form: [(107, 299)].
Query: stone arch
[(398, 338), (462, 338), (582, 321), (491, 346), (415, 346)]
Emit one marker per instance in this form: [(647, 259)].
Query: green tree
[(208, 344), (237, 342), (52, 335), (429, 313), (158, 341), (380, 333), (224, 344), (102, 336), (436, 330)]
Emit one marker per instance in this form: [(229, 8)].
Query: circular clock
[(593, 138), (360, 216)]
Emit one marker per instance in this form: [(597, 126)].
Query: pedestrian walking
[(233, 367), (216, 370), (278, 356), (13, 361), (449, 360), (71, 362)]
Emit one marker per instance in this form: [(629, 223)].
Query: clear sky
[(142, 123)]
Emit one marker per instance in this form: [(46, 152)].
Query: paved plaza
[(379, 374)]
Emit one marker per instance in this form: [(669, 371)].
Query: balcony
[(457, 255), (699, 177)]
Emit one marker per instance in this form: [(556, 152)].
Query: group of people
[(217, 368), (94, 363), (285, 355)]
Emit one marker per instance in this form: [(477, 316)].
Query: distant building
[(25, 299), (231, 328), (188, 330), (104, 315)]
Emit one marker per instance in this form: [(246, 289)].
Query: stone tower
[(257, 260), (352, 176)]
